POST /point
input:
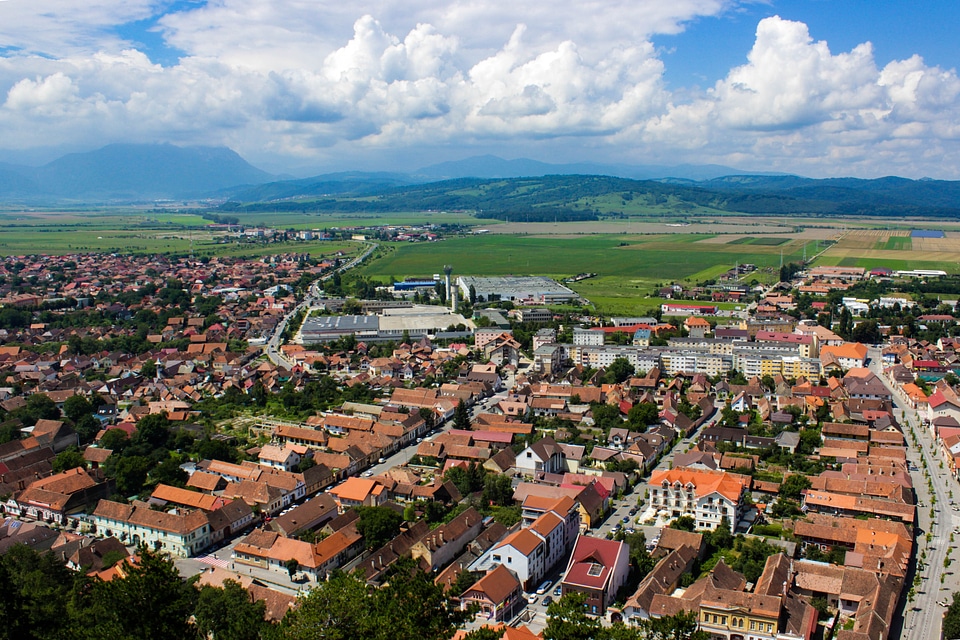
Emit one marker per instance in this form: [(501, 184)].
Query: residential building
[(597, 569), (707, 496)]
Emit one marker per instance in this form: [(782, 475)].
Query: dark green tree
[(461, 417), (151, 603), (618, 371), (793, 486), (68, 459), (567, 619), (378, 525), (229, 613), (76, 407)]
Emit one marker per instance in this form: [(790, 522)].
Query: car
[(631, 530), (543, 588), (546, 601), (367, 474), (633, 511), (626, 519), (381, 460), (532, 598), (558, 591)]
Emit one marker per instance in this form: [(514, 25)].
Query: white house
[(543, 456)]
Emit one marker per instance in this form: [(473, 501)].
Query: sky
[(820, 88)]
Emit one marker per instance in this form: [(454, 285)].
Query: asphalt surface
[(922, 617)]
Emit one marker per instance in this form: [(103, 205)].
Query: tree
[(497, 489), (151, 603), (682, 626), (643, 414), (169, 472), (228, 613), (473, 294), (684, 523), (68, 459), (130, 473), (618, 371), (114, 439), (292, 565), (461, 417), (951, 620), (153, 431), (87, 428), (378, 525), (467, 480), (76, 407), (148, 369), (794, 485), (567, 619)]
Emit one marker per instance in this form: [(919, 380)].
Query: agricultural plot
[(628, 267), (871, 248), (763, 241)]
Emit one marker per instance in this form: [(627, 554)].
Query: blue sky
[(815, 87)]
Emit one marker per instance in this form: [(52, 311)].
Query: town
[(781, 468)]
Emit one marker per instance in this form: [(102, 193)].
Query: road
[(922, 617), (272, 348)]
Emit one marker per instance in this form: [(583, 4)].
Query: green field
[(896, 243), (761, 241), (629, 268), (134, 231)]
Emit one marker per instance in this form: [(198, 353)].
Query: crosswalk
[(214, 560)]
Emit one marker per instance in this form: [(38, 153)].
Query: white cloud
[(297, 78)]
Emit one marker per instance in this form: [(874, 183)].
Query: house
[(359, 492), (597, 569), (543, 456), (849, 355), (444, 543), (707, 496), (286, 457), (696, 327), (52, 498), (496, 595), (180, 532)]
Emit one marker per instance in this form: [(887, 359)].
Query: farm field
[(871, 248), (133, 231), (629, 267)]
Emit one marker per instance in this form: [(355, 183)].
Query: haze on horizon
[(816, 88)]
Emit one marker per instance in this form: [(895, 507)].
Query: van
[(542, 589)]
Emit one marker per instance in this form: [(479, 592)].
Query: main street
[(923, 616), (272, 348)]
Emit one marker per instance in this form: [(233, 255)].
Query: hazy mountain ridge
[(131, 172)]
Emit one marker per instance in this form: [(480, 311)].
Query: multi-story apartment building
[(707, 496)]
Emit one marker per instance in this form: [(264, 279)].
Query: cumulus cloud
[(296, 78)]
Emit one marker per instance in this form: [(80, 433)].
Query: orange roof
[(524, 541), (729, 485), (356, 489), (852, 350)]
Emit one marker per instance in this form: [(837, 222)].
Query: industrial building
[(519, 289)]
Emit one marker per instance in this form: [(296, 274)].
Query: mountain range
[(129, 173)]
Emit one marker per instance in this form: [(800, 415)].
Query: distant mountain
[(574, 197), (354, 183), (130, 172), (489, 166)]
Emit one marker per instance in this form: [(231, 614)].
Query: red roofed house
[(597, 569)]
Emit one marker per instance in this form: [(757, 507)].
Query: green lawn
[(897, 243)]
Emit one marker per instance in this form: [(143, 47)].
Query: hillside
[(587, 197)]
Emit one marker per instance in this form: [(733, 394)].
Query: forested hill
[(587, 197)]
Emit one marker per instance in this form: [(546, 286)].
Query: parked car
[(543, 588), (547, 601)]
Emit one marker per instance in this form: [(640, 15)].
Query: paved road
[(922, 617), (272, 348)]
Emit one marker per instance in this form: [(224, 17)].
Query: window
[(753, 625)]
